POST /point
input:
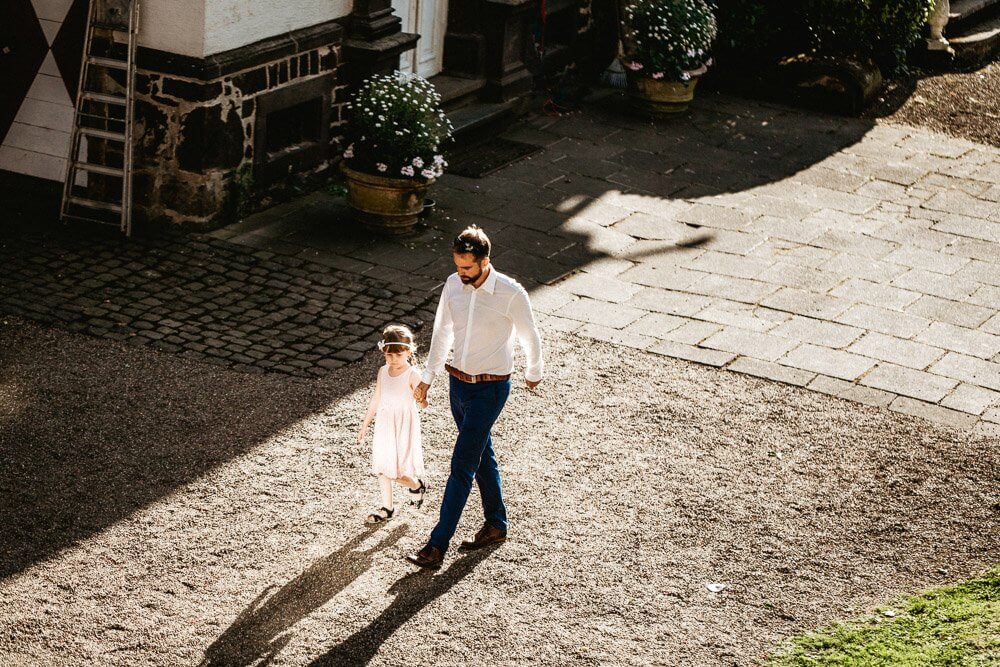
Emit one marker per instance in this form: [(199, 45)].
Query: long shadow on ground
[(258, 633), (413, 592), (84, 442)]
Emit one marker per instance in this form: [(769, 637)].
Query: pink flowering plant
[(397, 128), (669, 39)]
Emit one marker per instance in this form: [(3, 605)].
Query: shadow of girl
[(413, 592), (257, 633)]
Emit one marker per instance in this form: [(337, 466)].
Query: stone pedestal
[(381, 56), (937, 22), (374, 43), (507, 37), (373, 19)]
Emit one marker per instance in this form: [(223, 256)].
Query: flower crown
[(382, 344)]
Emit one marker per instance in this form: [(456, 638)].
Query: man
[(480, 313)]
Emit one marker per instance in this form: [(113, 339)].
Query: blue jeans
[(475, 408)]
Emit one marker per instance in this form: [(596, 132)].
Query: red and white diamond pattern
[(42, 58)]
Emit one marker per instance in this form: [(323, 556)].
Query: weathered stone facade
[(197, 120)]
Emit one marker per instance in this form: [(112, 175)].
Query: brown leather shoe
[(486, 536), (429, 557)]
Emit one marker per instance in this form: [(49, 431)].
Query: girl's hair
[(398, 333)]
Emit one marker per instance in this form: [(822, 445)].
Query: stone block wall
[(196, 120)]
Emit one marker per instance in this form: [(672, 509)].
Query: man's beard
[(468, 280)]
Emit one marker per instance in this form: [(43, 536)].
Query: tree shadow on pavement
[(91, 432), (413, 592), (609, 178), (261, 630)]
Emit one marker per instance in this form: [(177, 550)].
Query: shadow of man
[(260, 631), (413, 592)]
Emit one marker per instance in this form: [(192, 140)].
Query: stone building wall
[(198, 121)]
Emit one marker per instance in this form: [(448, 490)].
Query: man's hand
[(420, 393), (530, 384)]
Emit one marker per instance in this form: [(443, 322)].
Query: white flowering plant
[(669, 39), (397, 128)]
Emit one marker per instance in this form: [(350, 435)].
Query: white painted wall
[(230, 24), (201, 28), (37, 143), (175, 26)]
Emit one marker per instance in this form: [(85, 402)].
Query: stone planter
[(383, 204), (660, 97), (842, 85)]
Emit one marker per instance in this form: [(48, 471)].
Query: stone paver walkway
[(854, 259)]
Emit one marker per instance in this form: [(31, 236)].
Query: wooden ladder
[(98, 186)]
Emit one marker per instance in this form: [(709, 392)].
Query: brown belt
[(472, 379)]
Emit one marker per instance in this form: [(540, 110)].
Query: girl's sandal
[(381, 516), (419, 493)]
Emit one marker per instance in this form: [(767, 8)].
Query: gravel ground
[(962, 104), (159, 511)]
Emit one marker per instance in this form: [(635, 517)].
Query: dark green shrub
[(896, 26), (756, 29), (879, 29)]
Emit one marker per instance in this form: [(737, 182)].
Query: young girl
[(396, 452)]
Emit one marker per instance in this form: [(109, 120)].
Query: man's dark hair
[(472, 240)]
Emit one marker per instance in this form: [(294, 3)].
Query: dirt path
[(962, 104), (167, 512)]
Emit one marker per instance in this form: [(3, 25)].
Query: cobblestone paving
[(852, 258), (205, 299)]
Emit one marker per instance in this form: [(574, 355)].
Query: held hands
[(531, 385)]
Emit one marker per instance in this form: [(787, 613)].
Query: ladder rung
[(102, 134), (104, 97), (117, 27), (99, 118), (107, 62), (110, 223), (99, 169), (93, 203)]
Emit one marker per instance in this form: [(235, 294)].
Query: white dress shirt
[(479, 325)]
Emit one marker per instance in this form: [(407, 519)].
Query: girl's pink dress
[(396, 451)]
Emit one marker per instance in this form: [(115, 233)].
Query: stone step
[(456, 91), (478, 118), (979, 44), (966, 13)]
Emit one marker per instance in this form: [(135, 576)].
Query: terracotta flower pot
[(659, 97), (387, 205)]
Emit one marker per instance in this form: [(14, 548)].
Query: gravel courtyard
[(161, 511)]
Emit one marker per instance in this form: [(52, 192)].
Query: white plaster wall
[(200, 28), (175, 26), (37, 143), (230, 24)]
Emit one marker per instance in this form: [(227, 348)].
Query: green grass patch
[(953, 625)]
